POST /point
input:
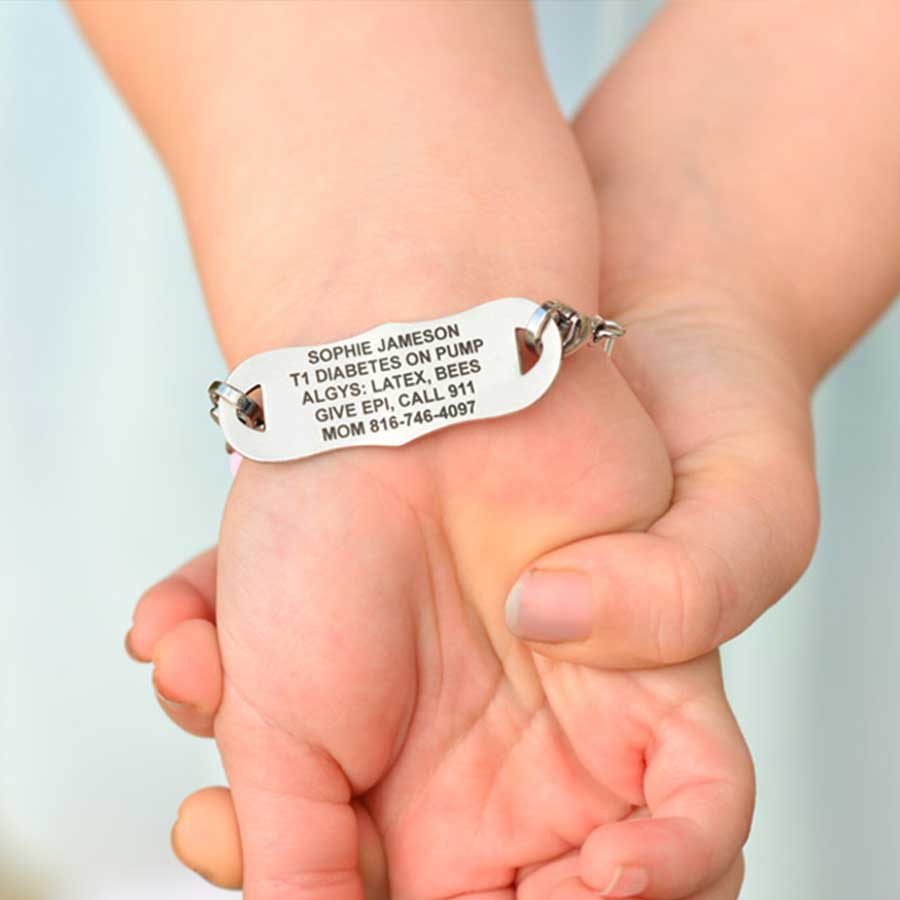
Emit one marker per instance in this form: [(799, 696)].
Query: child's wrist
[(307, 250), (299, 313), (331, 289)]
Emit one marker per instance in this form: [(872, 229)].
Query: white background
[(113, 474)]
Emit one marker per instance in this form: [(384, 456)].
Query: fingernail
[(629, 881), (550, 606), (129, 649), (174, 705), (167, 702)]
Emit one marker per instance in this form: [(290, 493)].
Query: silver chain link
[(575, 328), (248, 411)]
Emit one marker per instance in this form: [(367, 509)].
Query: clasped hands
[(484, 664)]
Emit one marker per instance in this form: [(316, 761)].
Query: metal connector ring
[(248, 411)]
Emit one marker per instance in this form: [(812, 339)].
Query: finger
[(728, 888), (539, 881), (372, 862), (187, 675), (739, 533), (206, 838), (698, 787), (301, 834), (188, 593)]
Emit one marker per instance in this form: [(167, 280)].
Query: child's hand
[(187, 667), (360, 618)]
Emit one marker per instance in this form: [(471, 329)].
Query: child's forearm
[(341, 164), (753, 151)]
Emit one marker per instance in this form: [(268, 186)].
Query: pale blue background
[(113, 475)]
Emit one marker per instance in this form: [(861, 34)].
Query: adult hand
[(747, 174)]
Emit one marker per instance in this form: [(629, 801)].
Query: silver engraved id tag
[(390, 385)]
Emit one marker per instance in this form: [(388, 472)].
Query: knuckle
[(689, 620), (791, 517)]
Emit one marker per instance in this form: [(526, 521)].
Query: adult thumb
[(740, 532)]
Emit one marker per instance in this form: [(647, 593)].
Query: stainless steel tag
[(392, 384)]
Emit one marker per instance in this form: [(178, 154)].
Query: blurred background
[(114, 475)]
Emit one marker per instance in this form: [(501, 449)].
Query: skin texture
[(370, 687), (540, 759), (722, 276)]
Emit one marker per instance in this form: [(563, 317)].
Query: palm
[(371, 584), (525, 777)]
